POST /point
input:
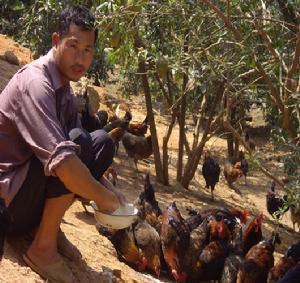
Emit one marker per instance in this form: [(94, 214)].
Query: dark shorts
[(97, 152)]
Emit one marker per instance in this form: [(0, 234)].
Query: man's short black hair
[(79, 15)]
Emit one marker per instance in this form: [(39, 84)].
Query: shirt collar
[(53, 70)]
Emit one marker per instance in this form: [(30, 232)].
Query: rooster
[(5, 220), (211, 172), (175, 239), (258, 261), (137, 147), (253, 234), (213, 256), (289, 260)]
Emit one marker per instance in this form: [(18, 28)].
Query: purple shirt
[(36, 114)]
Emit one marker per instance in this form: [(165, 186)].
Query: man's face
[(73, 52)]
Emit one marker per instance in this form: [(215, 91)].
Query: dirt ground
[(100, 263)]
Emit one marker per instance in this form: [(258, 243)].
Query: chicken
[(253, 234), (292, 276), (126, 247), (148, 240), (147, 205), (116, 134), (138, 129), (89, 120), (5, 220), (214, 254), (121, 108), (175, 238), (233, 261), (295, 216), (232, 173), (137, 147), (274, 201), (249, 141), (198, 240), (243, 164), (119, 123), (210, 172), (258, 261), (230, 215), (111, 175), (285, 263)]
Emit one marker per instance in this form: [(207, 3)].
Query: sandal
[(57, 272)]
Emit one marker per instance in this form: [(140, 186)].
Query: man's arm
[(78, 179)]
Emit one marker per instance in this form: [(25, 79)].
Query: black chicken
[(211, 172), (91, 121), (285, 263), (148, 206), (274, 201), (5, 220)]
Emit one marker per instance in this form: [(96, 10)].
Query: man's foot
[(57, 271), (66, 248)]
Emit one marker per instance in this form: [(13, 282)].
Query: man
[(45, 158)]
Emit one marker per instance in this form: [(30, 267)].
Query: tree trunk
[(157, 160), (193, 162), (165, 148)]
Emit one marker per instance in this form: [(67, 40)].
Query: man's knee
[(102, 141)]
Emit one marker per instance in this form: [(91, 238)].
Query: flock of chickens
[(212, 244), (137, 145)]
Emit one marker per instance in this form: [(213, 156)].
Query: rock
[(11, 58)]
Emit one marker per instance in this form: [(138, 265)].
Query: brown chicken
[(232, 173), (258, 261), (137, 147), (175, 238), (253, 234), (148, 207), (138, 129), (213, 256), (289, 260), (274, 201), (148, 241), (126, 247)]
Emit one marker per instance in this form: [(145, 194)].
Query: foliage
[(32, 23)]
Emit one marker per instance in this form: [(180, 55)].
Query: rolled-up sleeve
[(37, 121)]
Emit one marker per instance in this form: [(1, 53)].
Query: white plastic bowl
[(121, 218)]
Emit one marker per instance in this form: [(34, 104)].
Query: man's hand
[(106, 183)]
